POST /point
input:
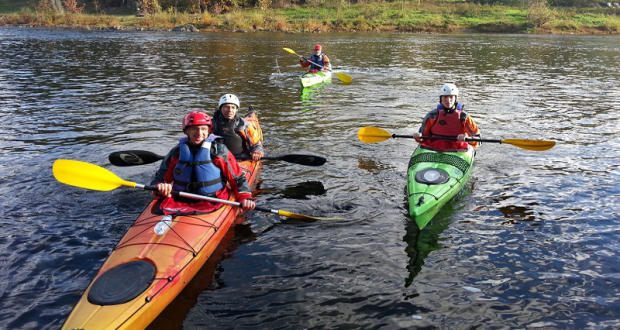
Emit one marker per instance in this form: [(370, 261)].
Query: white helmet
[(229, 98), (449, 89)]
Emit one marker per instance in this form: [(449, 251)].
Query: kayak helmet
[(318, 47), (449, 89), (196, 118), (229, 98)]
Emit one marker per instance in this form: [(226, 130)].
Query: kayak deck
[(433, 178), (309, 79)]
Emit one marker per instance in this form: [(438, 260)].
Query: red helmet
[(196, 118), (318, 47)]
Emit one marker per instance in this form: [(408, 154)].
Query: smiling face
[(197, 134), (229, 110)]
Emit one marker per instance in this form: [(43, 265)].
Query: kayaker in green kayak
[(200, 164), (317, 61), (449, 119), (240, 136)]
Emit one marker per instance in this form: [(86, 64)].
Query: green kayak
[(433, 178), (308, 79)]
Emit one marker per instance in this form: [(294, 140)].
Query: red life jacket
[(447, 125)]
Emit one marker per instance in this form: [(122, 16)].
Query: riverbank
[(459, 17)]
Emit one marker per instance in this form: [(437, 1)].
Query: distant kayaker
[(240, 136), (200, 164), (317, 61), (449, 119)]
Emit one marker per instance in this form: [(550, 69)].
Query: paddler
[(449, 119), (200, 164), (240, 136), (318, 58)]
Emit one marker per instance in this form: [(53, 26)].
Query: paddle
[(374, 134), (90, 176), (141, 157), (344, 77)]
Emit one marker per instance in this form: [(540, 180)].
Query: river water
[(530, 243)]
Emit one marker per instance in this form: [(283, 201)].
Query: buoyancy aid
[(234, 142), (448, 124), (196, 173), (318, 59)]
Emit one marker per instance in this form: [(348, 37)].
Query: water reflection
[(420, 243)]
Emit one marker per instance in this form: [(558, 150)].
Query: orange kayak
[(147, 270)]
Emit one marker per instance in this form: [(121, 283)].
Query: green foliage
[(322, 15), (14, 6), (576, 3), (539, 13), (149, 7), (502, 2)]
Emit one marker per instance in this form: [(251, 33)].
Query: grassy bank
[(378, 16)]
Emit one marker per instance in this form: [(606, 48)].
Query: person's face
[(317, 51), (197, 134), (229, 110), (448, 101)]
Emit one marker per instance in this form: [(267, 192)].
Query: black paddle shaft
[(447, 138), (141, 157)]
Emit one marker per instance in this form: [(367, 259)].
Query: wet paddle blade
[(534, 145), (85, 175), (290, 51), (372, 135), (133, 158), (343, 77), (308, 160)]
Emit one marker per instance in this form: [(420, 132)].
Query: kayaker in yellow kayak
[(240, 136), (449, 119), (318, 58), (200, 164)]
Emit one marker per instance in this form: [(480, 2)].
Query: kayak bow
[(434, 178), (310, 79)]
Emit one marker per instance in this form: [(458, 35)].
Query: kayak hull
[(310, 79), (434, 178), (169, 260)]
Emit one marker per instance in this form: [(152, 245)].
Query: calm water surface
[(531, 243)]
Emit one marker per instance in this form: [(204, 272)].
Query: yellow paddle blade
[(86, 175), (301, 216), (344, 77), (372, 134), (535, 145), (290, 51)]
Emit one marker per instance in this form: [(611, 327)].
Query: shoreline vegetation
[(315, 16)]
